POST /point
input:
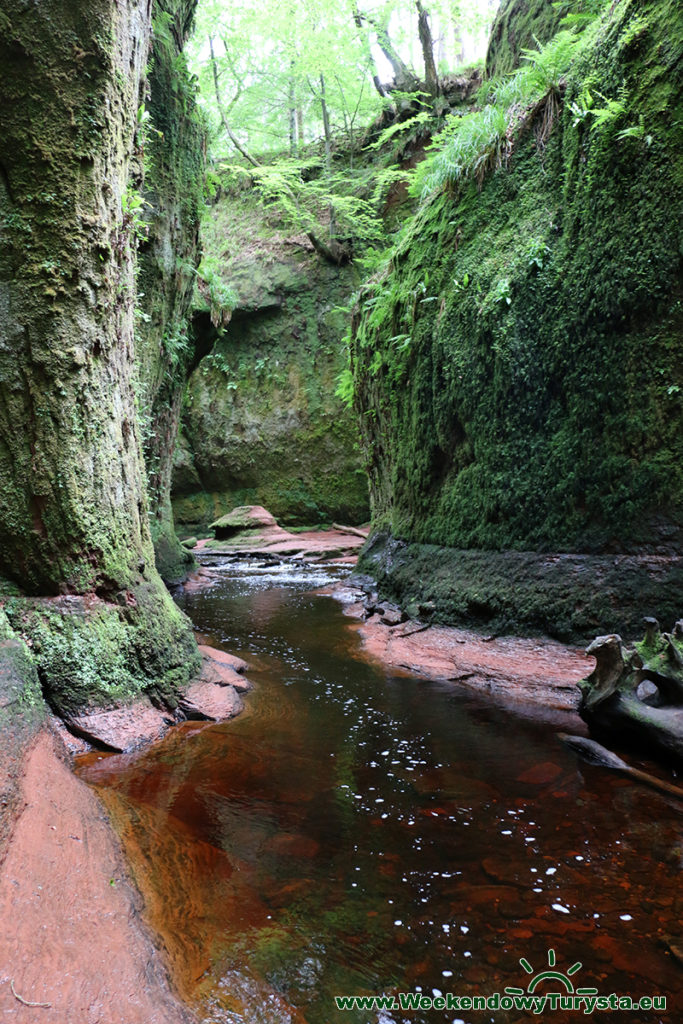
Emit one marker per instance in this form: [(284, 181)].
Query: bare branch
[(221, 110)]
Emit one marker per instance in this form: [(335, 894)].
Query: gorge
[(450, 315)]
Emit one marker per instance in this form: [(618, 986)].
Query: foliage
[(132, 210), (270, 56), (537, 404), (211, 288), (474, 143), (305, 197)]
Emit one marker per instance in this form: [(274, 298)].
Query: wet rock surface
[(266, 538), (212, 696), (214, 702), (225, 660), (123, 728), (72, 945), (532, 670)]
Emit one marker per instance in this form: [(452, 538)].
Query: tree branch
[(224, 121)]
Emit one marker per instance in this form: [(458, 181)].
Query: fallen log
[(351, 529), (635, 694)]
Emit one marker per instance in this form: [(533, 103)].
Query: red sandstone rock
[(534, 670), (223, 657), (121, 729), (219, 674), (244, 517), (71, 934), (273, 540), (211, 700)]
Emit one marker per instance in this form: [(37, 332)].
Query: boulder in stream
[(244, 517)]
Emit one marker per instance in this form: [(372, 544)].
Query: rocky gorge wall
[(538, 403), (173, 140), (261, 423), (79, 582)]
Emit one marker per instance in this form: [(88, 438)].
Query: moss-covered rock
[(244, 517), (262, 424), (171, 140), (567, 596), (91, 653), (520, 25), (537, 404), (73, 502), (22, 712)]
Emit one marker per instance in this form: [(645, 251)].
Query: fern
[(399, 128), (476, 143), (345, 389)]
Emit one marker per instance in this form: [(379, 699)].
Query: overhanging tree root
[(597, 754)]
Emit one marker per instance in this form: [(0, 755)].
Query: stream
[(359, 832)]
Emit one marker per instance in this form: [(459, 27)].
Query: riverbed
[(359, 832)]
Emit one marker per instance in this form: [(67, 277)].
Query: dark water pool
[(356, 832)]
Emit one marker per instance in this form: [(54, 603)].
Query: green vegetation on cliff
[(172, 144), (521, 24), (517, 363), (261, 421), (308, 204)]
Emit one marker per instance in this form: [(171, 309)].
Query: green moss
[(262, 424), (89, 653), (73, 504), (171, 141), (517, 363), (518, 25), (569, 596), (22, 713), (22, 708), (172, 560)]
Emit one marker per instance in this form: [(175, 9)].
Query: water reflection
[(357, 832)]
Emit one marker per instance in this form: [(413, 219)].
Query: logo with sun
[(565, 979)]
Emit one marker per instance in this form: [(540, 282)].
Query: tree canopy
[(276, 75)]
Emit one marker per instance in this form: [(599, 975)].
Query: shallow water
[(357, 832)]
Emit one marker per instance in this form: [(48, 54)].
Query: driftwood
[(350, 529), (636, 695), (597, 754)]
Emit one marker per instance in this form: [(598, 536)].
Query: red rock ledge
[(534, 670), (73, 948)]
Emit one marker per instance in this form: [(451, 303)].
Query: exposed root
[(26, 1002)]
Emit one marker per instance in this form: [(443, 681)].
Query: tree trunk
[(328, 149), (376, 81), (427, 44), (291, 102), (404, 79), (73, 504), (221, 110)]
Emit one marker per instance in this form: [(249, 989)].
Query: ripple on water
[(360, 833)]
